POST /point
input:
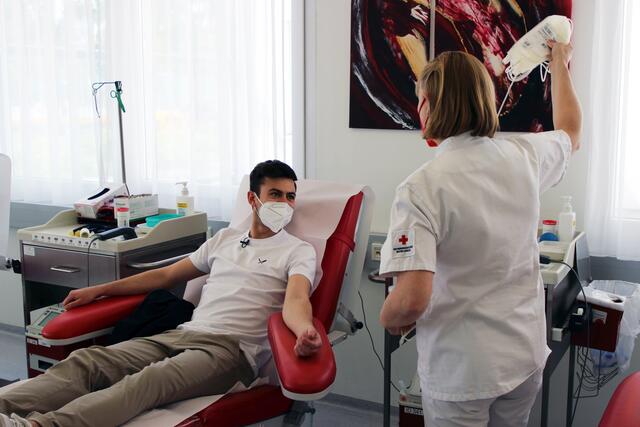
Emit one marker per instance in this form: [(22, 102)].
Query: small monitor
[(50, 315)]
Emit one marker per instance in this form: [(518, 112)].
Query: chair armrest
[(622, 410), (301, 378), (89, 321)]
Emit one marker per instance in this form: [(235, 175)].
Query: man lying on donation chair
[(252, 274)]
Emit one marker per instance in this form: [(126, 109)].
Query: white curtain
[(207, 88), (611, 131)]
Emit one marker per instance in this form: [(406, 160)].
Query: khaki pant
[(106, 386)]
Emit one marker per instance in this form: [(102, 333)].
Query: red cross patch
[(403, 243)]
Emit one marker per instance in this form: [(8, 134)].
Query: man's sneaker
[(13, 421)]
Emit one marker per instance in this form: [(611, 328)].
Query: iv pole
[(117, 95)]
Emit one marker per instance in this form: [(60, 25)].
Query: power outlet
[(376, 250)]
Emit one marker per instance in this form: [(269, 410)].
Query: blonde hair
[(461, 96)]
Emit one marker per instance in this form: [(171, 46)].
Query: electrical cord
[(93, 239), (373, 346), (595, 379)]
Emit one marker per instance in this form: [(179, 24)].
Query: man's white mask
[(274, 215)]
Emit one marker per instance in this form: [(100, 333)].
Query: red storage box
[(606, 314), (42, 356)]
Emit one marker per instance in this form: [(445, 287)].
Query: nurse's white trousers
[(509, 410)]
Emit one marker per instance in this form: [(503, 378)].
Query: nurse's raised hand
[(560, 53)]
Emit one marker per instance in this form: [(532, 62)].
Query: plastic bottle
[(122, 216), (184, 202), (566, 221), (549, 226), (121, 210)]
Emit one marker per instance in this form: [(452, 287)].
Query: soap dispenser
[(566, 221), (184, 202)]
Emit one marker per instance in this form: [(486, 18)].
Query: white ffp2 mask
[(274, 215), (532, 49)]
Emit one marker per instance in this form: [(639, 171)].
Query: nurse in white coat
[(462, 243)]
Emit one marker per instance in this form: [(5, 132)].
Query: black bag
[(158, 312)]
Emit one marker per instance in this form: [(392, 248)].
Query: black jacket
[(159, 312)]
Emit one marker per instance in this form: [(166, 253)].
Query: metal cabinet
[(50, 272), (65, 267)]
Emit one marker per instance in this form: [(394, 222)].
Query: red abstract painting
[(390, 44)]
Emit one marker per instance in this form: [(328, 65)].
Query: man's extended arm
[(161, 278), (298, 317)]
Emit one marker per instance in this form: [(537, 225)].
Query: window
[(628, 159), (208, 89), (609, 101)]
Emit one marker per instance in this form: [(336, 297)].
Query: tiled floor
[(329, 412), (336, 414)]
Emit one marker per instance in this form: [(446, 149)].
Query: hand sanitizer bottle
[(566, 221), (184, 202)]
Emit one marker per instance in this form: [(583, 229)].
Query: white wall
[(575, 180), (381, 158)]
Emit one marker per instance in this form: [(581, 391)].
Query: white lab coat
[(471, 215)]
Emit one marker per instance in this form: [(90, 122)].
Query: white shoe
[(13, 421)]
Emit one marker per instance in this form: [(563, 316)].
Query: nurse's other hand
[(79, 297), (308, 343), (561, 53)]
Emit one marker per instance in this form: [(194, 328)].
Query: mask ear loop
[(430, 142), (513, 78), (505, 97), (259, 201), (544, 70)]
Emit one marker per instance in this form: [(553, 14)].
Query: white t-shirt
[(246, 285), (471, 216)]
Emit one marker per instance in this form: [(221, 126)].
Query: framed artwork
[(390, 42)]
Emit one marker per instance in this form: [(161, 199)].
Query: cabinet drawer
[(65, 267)]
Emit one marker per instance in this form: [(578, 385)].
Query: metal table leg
[(572, 365), (387, 380), (544, 412)]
